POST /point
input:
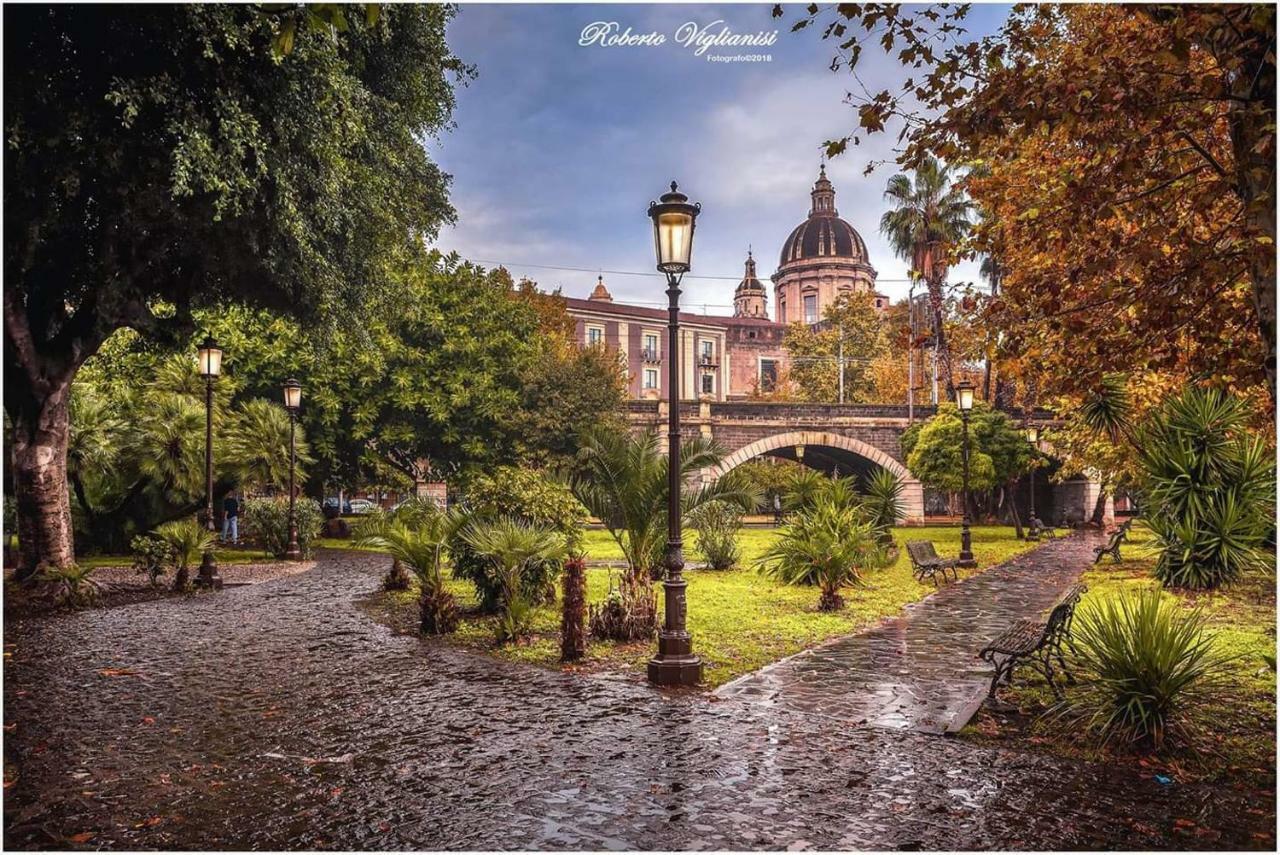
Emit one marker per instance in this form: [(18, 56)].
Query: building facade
[(738, 356)]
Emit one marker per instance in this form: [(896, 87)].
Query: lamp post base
[(966, 558), (293, 553), (208, 576), (675, 664)]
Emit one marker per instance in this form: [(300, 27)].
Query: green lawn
[(224, 556), (740, 620), (1233, 730)]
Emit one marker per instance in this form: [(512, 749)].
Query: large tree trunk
[(40, 482)]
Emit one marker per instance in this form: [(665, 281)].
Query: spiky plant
[(420, 549), (884, 503), (1148, 660), (1108, 409), (826, 544), (187, 540), (509, 545), (802, 487), (717, 525), (1208, 488), (622, 480), (367, 534), (69, 587)]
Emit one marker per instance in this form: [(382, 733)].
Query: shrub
[(509, 546), (717, 525), (826, 544), (420, 548), (1208, 489), (1148, 660), (884, 503), (573, 611), (151, 555), (628, 613), (187, 541), (267, 520), (71, 587), (526, 496)]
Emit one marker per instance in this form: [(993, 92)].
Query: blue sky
[(559, 148)]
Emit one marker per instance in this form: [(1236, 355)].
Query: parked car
[(331, 505), (360, 506)]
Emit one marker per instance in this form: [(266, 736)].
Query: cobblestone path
[(920, 670), (281, 716)]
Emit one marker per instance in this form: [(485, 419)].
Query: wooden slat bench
[(1038, 529), (925, 561), (1035, 643)]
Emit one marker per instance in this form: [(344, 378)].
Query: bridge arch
[(912, 491)]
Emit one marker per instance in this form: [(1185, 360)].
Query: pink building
[(734, 357)]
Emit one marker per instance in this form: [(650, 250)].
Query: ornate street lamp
[(292, 403), (800, 453), (673, 222), (209, 364), (1033, 437), (964, 400)]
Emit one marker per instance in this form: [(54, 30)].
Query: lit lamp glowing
[(673, 224), (1033, 531), (800, 453), (964, 400), (209, 364), (292, 403)]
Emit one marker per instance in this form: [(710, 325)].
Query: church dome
[(823, 235), (750, 284)]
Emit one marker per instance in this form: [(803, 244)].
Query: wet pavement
[(920, 670), (281, 716)]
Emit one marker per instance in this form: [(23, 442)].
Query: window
[(782, 312), (651, 378), (708, 351), (810, 308), (650, 350), (595, 336), (768, 375), (708, 384)]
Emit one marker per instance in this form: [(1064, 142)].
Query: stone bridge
[(851, 439)]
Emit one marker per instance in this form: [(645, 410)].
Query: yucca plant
[(1148, 660), (1208, 489), (187, 540), (826, 544), (69, 586), (509, 545), (802, 488), (884, 503), (420, 549)]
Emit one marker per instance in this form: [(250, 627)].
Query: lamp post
[(964, 399), (1033, 437), (209, 364), (673, 222), (800, 454), (292, 403)]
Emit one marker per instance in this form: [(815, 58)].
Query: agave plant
[(420, 549), (509, 545), (827, 544), (187, 540), (1148, 660), (623, 481)]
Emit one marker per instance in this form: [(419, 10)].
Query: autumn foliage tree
[(1132, 172)]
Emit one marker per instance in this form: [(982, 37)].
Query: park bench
[(1112, 546), (1038, 529), (925, 561), (1035, 643)]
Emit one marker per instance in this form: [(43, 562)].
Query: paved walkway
[(921, 670), (281, 716)]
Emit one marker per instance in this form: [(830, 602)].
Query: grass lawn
[(1232, 730), (224, 556), (740, 620)]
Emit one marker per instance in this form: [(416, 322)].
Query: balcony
[(706, 360), (650, 355)]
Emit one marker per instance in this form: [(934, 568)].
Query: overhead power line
[(600, 270)]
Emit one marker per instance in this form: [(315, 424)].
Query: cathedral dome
[(823, 235)]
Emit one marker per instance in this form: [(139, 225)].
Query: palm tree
[(257, 445), (510, 546), (187, 540), (420, 548), (623, 482), (827, 544), (929, 216)]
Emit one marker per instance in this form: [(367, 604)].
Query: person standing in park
[(231, 520)]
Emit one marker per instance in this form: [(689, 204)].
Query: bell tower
[(749, 296)]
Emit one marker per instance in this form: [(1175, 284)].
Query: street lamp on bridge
[(673, 223)]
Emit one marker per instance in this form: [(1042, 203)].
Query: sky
[(558, 148)]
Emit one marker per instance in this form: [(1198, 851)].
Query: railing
[(650, 355)]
